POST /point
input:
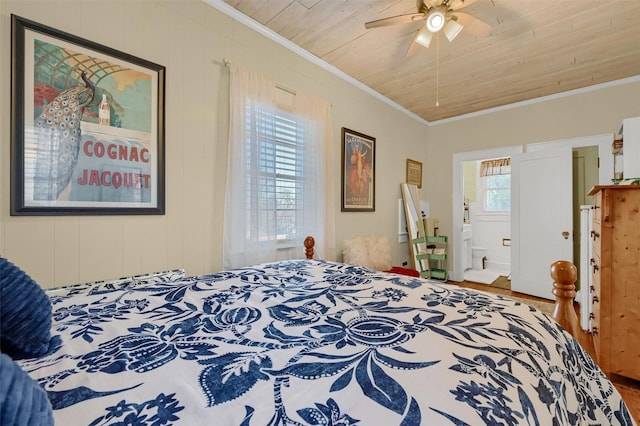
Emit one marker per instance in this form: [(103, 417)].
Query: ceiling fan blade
[(394, 20), (473, 25), (459, 4)]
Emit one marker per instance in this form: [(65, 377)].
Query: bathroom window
[(495, 176), (497, 193)]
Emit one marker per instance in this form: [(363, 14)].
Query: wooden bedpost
[(309, 242), (564, 275)]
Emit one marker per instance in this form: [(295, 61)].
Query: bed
[(309, 342)]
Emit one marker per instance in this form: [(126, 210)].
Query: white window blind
[(275, 179)]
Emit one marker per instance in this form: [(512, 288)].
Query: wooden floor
[(628, 388)]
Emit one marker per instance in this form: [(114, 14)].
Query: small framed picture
[(414, 172), (358, 172)]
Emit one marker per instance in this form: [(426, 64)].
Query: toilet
[(477, 255)]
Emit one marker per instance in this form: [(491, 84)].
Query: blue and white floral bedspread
[(316, 343)]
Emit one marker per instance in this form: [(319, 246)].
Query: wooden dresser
[(615, 266)]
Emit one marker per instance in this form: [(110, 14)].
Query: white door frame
[(457, 272), (605, 173)]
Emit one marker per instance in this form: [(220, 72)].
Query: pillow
[(379, 251), (25, 315), (22, 400), (370, 252), (99, 287), (354, 252)]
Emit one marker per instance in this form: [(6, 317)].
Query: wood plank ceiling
[(536, 48)]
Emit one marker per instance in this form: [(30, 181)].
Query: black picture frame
[(87, 126), (358, 172)]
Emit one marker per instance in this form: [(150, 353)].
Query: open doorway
[(582, 163), (487, 220), (585, 177), (460, 247)]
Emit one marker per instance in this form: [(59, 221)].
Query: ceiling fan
[(440, 15)]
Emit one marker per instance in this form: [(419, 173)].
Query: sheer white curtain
[(249, 238)]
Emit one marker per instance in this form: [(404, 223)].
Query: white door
[(541, 218)]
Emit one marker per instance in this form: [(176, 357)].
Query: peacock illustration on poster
[(91, 124)]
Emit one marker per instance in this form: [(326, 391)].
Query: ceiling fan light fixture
[(436, 18), (452, 29), (424, 38)]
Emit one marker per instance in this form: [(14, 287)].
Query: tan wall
[(585, 114), (191, 39), (470, 177)]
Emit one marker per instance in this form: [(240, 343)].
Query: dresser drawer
[(596, 206), (594, 267), (595, 329), (595, 237)]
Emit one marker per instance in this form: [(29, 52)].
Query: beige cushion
[(379, 253), (354, 252), (370, 252)]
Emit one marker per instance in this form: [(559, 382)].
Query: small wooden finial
[(309, 242), (564, 275)]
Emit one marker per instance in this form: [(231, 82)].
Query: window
[(275, 179), (497, 193), (280, 184), (495, 176)]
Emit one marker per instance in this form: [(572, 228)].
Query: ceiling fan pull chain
[(437, 69)]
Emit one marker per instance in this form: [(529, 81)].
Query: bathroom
[(487, 220)]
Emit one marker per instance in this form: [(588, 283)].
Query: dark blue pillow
[(25, 315), (22, 400)]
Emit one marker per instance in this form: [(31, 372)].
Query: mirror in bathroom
[(412, 213)]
